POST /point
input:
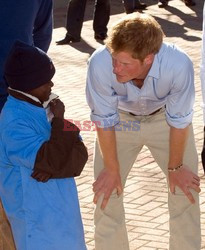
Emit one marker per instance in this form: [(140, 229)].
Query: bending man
[(141, 92)]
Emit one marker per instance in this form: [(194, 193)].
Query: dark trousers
[(75, 16), (130, 5)]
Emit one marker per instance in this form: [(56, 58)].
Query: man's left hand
[(185, 179)]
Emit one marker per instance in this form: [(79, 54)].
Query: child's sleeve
[(64, 155), (21, 143)]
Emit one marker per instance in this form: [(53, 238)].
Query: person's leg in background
[(185, 231), (162, 3), (189, 2), (74, 21), (131, 6), (101, 18)]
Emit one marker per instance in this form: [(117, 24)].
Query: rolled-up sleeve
[(100, 95), (180, 101)]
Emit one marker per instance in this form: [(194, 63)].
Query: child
[(37, 157)]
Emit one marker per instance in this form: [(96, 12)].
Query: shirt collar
[(32, 99), (155, 69), (26, 94)]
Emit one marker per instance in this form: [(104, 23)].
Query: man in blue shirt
[(141, 92)]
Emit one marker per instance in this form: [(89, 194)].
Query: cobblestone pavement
[(146, 190)]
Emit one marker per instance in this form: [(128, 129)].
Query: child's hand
[(40, 175), (57, 108)]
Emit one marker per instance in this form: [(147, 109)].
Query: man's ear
[(149, 59)]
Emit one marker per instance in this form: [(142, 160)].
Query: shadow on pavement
[(192, 22), (83, 46), (170, 29)]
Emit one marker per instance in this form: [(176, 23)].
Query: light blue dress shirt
[(169, 82)]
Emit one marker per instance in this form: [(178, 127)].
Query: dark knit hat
[(27, 67)]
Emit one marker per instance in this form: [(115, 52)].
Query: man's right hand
[(57, 108), (107, 181)]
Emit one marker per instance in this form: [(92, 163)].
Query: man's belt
[(153, 113)]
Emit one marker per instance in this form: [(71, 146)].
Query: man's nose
[(117, 68)]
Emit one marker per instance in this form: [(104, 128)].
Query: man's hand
[(57, 108), (106, 182), (185, 179)]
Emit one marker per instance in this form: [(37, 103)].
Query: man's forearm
[(107, 142), (178, 139)]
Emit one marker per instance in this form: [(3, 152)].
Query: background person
[(133, 5), (75, 16)]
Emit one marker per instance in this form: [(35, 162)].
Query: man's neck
[(138, 82)]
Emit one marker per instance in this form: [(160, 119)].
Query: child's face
[(43, 92)]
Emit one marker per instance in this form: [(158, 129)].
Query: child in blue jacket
[(38, 158)]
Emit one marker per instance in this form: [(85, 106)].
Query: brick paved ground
[(146, 191)]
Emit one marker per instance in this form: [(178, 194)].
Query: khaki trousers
[(6, 238), (152, 131)]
